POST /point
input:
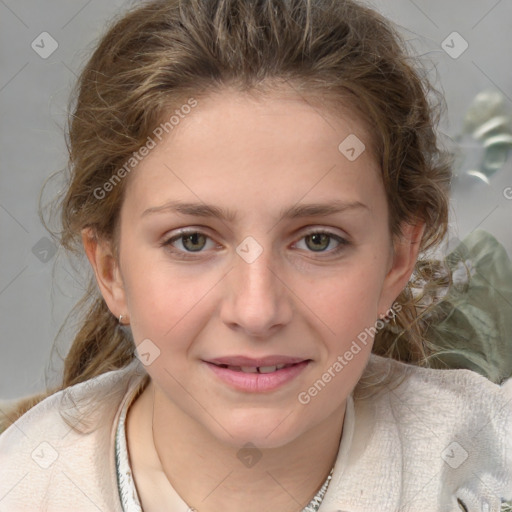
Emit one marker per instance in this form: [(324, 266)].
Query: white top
[(438, 441)]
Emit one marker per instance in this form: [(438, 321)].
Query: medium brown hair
[(163, 52)]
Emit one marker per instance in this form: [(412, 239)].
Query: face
[(248, 239)]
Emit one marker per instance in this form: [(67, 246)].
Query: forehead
[(237, 147)]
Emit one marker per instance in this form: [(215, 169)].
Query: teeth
[(254, 369), (267, 369), (249, 369)]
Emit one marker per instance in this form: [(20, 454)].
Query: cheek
[(347, 302), (162, 299)]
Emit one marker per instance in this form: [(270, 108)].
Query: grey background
[(35, 293)]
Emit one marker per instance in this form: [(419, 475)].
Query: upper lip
[(256, 362)]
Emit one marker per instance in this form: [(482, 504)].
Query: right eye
[(189, 240)]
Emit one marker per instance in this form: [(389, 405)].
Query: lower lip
[(258, 382)]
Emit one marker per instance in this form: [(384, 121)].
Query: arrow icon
[(44, 455), (44, 45), (351, 147), (249, 249), (454, 455), (44, 249), (249, 455), (454, 45), (146, 351)]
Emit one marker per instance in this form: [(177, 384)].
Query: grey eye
[(320, 241), (193, 240)]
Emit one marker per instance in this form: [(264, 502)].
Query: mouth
[(267, 364), (256, 369), (257, 375)]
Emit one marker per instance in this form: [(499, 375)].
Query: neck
[(210, 475)]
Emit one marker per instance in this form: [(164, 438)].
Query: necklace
[(314, 504)]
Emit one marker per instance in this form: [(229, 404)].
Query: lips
[(257, 375)]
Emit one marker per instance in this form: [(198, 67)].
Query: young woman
[(255, 185)]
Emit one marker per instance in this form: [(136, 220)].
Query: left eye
[(319, 241)]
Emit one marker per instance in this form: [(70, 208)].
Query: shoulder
[(446, 398), (431, 385), (60, 447), (451, 429)]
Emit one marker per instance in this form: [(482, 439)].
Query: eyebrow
[(293, 212)]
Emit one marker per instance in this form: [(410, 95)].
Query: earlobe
[(106, 269), (405, 255)]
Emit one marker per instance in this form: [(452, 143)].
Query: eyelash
[(167, 243)]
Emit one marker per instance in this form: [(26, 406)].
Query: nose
[(257, 301)]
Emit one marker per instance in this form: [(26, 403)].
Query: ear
[(106, 268), (403, 259)]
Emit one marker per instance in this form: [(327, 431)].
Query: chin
[(259, 428)]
